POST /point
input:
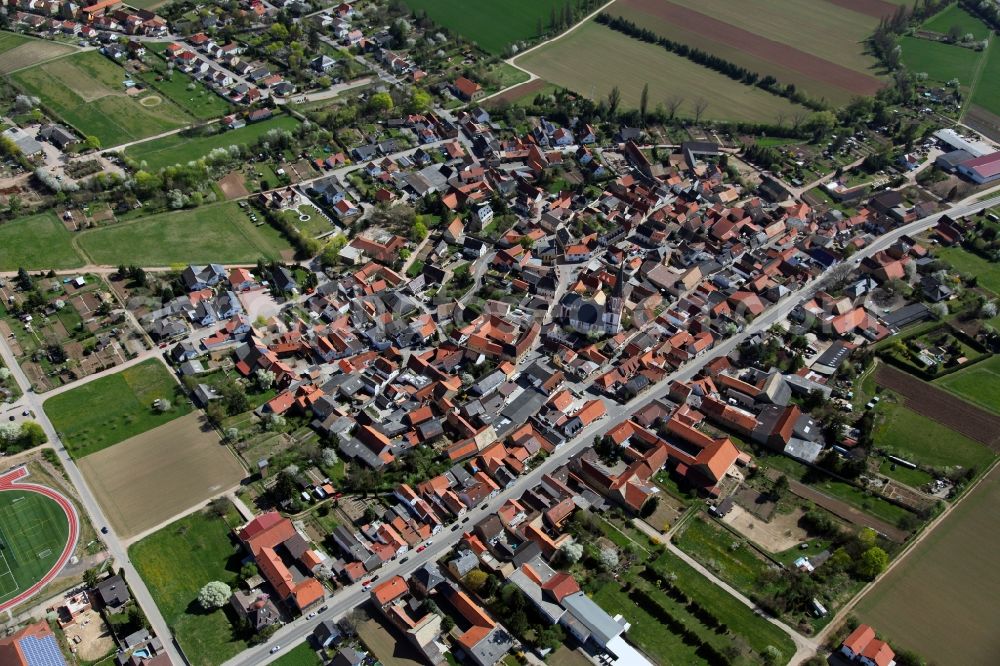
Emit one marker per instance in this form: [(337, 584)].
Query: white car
[(275, 649), (311, 615)]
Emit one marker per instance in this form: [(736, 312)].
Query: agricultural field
[(941, 62), (181, 149), (86, 91), (493, 25), (942, 600), (36, 242), (593, 59), (979, 384), (219, 233), (956, 16), (33, 534), (816, 46), (111, 409), (987, 93), (175, 562), (916, 438), (152, 477), (19, 51)]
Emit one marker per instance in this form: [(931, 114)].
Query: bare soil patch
[(758, 503), (521, 91), (390, 649), (234, 186), (942, 406), (94, 637), (983, 121), (152, 477), (777, 535), (780, 54)]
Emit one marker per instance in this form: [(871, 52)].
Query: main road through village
[(353, 596)]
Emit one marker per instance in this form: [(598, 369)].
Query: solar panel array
[(42, 651)]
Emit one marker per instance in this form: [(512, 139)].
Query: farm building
[(985, 169)]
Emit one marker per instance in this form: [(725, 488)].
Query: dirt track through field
[(943, 407), (152, 477), (876, 8), (780, 54)]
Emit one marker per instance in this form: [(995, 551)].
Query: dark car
[(402, 560), (104, 530)]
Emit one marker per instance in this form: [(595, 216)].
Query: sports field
[(979, 384), (36, 242), (179, 149), (150, 478), (593, 59), (219, 233), (87, 91), (943, 599), (33, 533), (941, 62), (491, 25), (111, 409), (19, 51), (818, 46)]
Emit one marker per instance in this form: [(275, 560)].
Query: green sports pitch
[(33, 534)]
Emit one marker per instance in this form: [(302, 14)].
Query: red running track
[(9, 482)]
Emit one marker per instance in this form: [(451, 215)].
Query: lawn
[(915, 478), (175, 563), (111, 409), (916, 438), (594, 59), (955, 15), (181, 149), (220, 233), (36, 242), (987, 92), (301, 655), (33, 534), (649, 634), (491, 25), (200, 102), (941, 62), (979, 384), (713, 546), (86, 90), (987, 273), (942, 599)]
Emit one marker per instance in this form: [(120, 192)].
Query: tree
[(700, 106), (780, 485), (609, 557), (418, 231), (248, 571), (23, 279), (32, 435), (420, 100), (643, 103), (329, 457), (872, 562), (447, 623), (475, 580), (214, 594), (614, 100), (674, 102), (264, 378), (163, 405), (91, 576), (381, 103), (649, 508), (93, 142), (571, 551)]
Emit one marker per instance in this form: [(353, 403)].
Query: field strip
[(980, 66)]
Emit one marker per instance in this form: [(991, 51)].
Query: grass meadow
[(36, 242)]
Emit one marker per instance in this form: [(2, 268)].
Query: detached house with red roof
[(862, 647)]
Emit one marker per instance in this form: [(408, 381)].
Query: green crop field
[(180, 149), (941, 62), (593, 59), (219, 233), (33, 533), (948, 581), (987, 92), (111, 409), (36, 242), (979, 384), (491, 25), (86, 90), (956, 16), (175, 562), (919, 439)]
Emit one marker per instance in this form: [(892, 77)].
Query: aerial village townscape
[(568, 332)]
